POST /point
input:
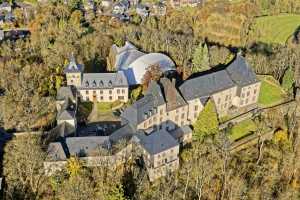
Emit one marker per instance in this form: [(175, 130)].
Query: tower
[(74, 72)]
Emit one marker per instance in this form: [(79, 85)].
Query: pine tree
[(207, 122), (200, 58)]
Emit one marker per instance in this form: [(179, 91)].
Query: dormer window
[(145, 115), (109, 83), (101, 83), (86, 84), (94, 84)]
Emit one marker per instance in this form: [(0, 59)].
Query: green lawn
[(108, 106), (242, 129), (270, 92), (275, 29)]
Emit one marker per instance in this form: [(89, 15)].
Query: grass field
[(275, 29), (270, 92), (242, 129)]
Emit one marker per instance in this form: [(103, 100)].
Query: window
[(94, 92), (145, 125), (195, 115), (150, 121), (71, 81), (248, 93), (101, 91), (247, 101), (110, 97), (255, 91), (196, 108), (86, 92), (182, 116), (226, 98), (118, 91), (154, 119), (123, 91), (243, 95), (101, 97), (110, 91), (161, 111), (87, 98), (225, 105), (120, 97), (219, 100)]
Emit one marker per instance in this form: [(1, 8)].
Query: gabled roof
[(206, 85), (181, 131), (66, 115), (55, 152), (62, 130), (125, 132), (156, 142), (146, 106), (73, 67), (104, 80), (86, 146), (68, 92), (240, 72)]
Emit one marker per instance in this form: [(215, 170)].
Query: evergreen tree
[(200, 58), (207, 122)]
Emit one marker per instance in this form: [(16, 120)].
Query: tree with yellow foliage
[(73, 166)]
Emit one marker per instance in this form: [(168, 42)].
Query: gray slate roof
[(68, 92), (73, 67), (66, 115), (206, 85), (156, 142), (86, 146), (146, 106), (104, 80), (55, 152), (240, 72), (181, 131), (62, 130), (125, 132)]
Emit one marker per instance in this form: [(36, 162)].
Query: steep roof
[(181, 131), (55, 152), (146, 106), (66, 115), (68, 92), (104, 80), (156, 142), (73, 67), (125, 132), (86, 146), (240, 72), (204, 86), (62, 130)]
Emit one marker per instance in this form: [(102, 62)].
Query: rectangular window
[(182, 116), (161, 111), (110, 97), (145, 125), (120, 97), (248, 93), (110, 91), (118, 91), (101, 91), (87, 98), (196, 108), (86, 92), (94, 92), (101, 97), (247, 100), (255, 91), (123, 91), (195, 115)]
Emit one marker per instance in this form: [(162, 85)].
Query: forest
[(197, 39)]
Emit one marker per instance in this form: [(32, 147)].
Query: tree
[(153, 73), (23, 168), (200, 58), (288, 80), (207, 122)]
